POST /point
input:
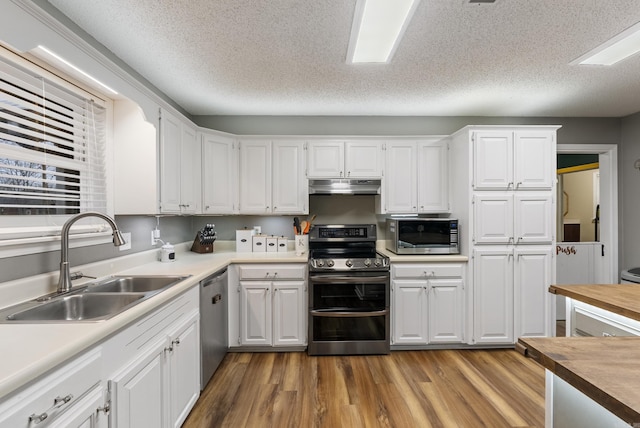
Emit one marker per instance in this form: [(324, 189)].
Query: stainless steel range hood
[(344, 186)]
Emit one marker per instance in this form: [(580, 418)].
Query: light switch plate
[(127, 240)]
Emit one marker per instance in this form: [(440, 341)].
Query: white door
[(493, 295), (445, 311), (534, 159), (326, 159), (189, 171), (290, 190), (170, 165), (219, 175), (139, 391), (255, 177), (533, 218), (255, 313), (400, 184), (184, 367), (363, 159), (410, 312), (493, 160), (433, 172), (289, 313), (532, 276), (493, 218)]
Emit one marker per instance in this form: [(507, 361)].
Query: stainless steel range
[(349, 291)]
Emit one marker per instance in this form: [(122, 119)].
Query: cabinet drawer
[(71, 382), (282, 272), (441, 270), (587, 324)]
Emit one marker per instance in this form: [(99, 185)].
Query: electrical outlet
[(153, 238), (127, 241)]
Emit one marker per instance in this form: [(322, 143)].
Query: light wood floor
[(450, 388)]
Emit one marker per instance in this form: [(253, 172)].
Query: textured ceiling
[(287, 57)]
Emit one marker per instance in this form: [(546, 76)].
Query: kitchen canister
[(167, 253), (301, 244)]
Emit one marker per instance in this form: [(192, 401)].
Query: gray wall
[(629, 192)]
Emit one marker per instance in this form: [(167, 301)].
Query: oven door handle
[(348, 279), (348, 314)]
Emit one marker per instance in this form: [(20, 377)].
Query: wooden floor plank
[(448, 388)]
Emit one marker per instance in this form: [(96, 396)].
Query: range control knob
[(378, 262), (320, 263), (367, 262), (330, 263), (349, 263)]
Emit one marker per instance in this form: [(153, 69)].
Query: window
[(52, 153)]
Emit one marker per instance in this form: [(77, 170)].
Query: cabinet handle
[(518, 184), (509, 184), (57, 403), (169, 349), (348, 173), (176, 342)]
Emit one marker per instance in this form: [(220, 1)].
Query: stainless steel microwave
[(422, 236)]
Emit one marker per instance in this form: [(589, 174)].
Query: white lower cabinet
[(510, 293), (427, 303), (69, 397), (270, 306), (155, 366)]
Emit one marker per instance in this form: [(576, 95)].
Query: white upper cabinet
[(416, 177), (513, 160), (400, 182), (179, 166), (345, 159), (219, 174), (433, 183), (290, 188), (272, 177)]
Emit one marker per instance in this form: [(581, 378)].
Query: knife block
[(197, 247)]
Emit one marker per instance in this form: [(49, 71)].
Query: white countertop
[(31, 350)]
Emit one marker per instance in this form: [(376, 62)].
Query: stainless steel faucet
[(64, 282)]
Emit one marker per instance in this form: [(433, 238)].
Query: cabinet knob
[(176, 342)]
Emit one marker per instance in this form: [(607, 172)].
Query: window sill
[(25, 246)]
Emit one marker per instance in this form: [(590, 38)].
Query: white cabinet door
[(84, 413), (446, 310), (184, 368), (170, 164), (255, 313), (493, 218), (433, 170), (493, 160), (363, 159), (533, 218), (534, 159), (138, 392), (289, 313), (219, 175), (532, 276), (290, 185), (255, 177), (493, 295), (409, 314), (326, 159), (400, 183), (189, 172)]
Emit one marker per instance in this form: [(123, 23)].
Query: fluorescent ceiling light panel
[(616, 49), (67, 66), (378, 26)]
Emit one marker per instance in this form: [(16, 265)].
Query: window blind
[(52, 147)]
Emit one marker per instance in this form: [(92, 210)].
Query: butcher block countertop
[(606, 369), (622, 299)]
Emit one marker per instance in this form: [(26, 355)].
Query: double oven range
[(349, 291)]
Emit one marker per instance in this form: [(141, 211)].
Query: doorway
[(587, 217)]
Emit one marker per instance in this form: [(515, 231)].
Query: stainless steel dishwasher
[(213, 324)]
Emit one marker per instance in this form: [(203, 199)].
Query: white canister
[(167, 253)]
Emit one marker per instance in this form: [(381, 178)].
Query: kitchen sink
[(79, 307), (96, 301), (134, 284)]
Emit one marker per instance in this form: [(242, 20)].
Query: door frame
[(608, 159)]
